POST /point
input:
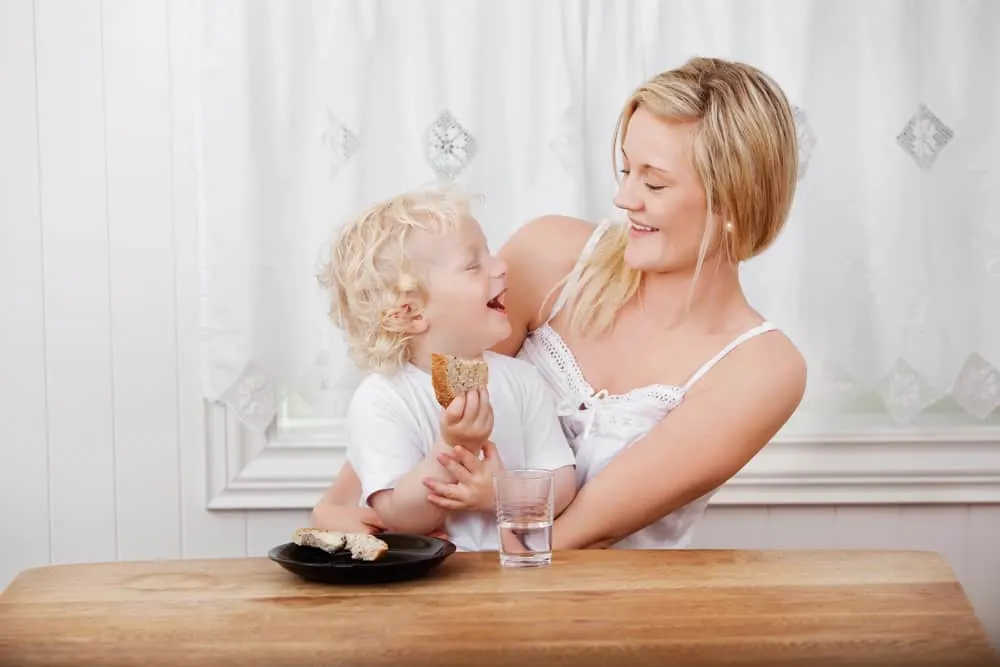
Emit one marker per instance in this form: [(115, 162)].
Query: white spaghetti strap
[(745, 336), (574, 276)]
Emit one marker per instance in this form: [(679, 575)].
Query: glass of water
[(525, 502)]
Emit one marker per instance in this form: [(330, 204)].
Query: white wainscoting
[(108, 452)]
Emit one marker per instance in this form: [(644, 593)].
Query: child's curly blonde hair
[(375, 289)]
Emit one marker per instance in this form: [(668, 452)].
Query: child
[(410, 277)]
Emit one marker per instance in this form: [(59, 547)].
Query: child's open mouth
[(496, 303)]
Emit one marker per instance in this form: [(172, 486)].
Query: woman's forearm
[(565, 488), (346, 489)]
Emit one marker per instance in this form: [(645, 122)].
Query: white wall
[(100, 414)]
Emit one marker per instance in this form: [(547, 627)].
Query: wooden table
[(629, 608)]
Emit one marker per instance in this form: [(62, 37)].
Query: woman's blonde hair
[(746, 157), (375, 287)]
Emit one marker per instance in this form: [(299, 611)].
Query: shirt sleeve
[(383, 437), (546, 446)]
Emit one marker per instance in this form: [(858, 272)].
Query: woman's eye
[(655, 188), (625, 172)]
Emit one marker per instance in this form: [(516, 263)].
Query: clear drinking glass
[(525, 502)]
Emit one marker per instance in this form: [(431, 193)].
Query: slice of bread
[(365, 547), (361, 545), (327, 540), (452, 376)]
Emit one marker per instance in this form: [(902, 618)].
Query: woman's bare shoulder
[(769, 365), (555, 239), (538, 255)]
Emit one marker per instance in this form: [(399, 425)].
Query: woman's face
[(662, 194)]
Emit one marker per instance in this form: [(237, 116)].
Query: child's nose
[(499, 267)]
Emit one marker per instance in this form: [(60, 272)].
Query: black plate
[(409, 557)]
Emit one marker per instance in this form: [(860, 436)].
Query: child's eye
[(472, 267)]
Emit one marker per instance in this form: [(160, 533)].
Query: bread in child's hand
[(361, 545), (452, 376)]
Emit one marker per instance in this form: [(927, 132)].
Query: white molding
[(926, 467)]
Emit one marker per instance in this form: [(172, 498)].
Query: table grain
[(591, 607)]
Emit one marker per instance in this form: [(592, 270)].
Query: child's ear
[(416, 323), (405, 318)]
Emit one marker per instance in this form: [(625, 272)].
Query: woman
[(669, 382)]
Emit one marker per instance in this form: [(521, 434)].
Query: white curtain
[(887, 276)]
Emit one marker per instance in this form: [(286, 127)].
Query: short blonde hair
[(373, 282), (746, 157)]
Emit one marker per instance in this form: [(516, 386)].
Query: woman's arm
[(538, 255), (718, 427), (564, 483), (346, 488), (339, 508)]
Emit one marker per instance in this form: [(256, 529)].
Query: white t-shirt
[(393, 421)]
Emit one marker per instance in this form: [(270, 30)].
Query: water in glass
[(524, 517)]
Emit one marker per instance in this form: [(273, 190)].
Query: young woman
[(668, 380)]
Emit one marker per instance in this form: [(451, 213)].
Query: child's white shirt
[(394, 421)]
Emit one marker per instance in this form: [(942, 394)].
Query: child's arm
[(404, 508), (388, 449), (385, 439), (545, 445)]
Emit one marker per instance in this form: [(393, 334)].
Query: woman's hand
[(473, 488), (346, 518), (468, 420)]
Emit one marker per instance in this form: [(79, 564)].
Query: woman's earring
[(729, 228)]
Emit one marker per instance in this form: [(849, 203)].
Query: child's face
[(464, 286)]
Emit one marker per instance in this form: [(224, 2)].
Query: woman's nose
[(626, 198)]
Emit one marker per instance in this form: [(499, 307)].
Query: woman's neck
[(669, 299)]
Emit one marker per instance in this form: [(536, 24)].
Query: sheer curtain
[(887, 276)]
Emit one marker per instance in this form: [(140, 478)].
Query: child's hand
[(473, 489), (468, 420)]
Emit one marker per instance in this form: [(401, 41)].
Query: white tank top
[(599, 425)]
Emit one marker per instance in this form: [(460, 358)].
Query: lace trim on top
[(566, 364)]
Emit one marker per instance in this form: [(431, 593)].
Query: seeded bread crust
[(452, 376), (361, 545)]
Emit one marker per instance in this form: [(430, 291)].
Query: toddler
[(409, 277)]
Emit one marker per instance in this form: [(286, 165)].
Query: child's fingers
[(491, 459), (468, 461), (489, 451), (485, 425), (436, 486), (457, 470), (456, 409), (472, 405), (453, 494), (444, 503)]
